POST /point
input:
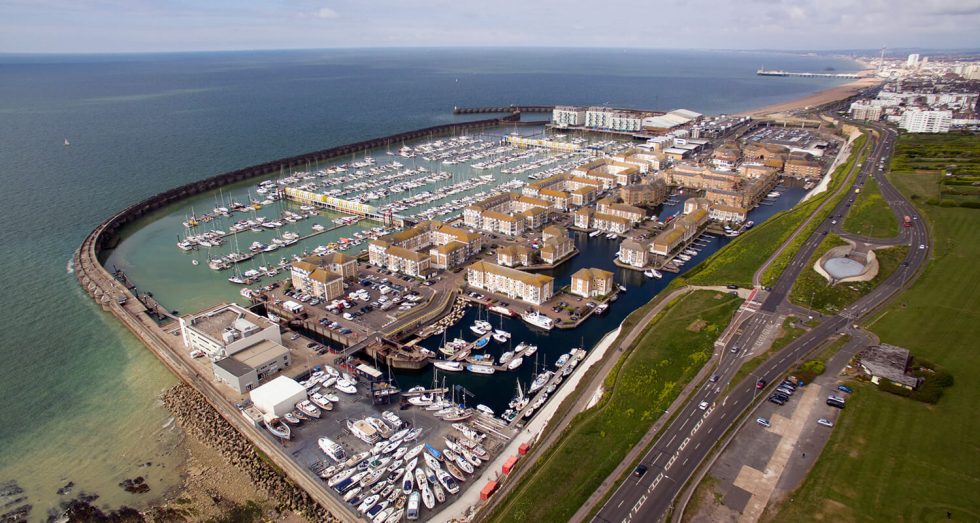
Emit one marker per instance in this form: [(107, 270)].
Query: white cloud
[(326, 12)]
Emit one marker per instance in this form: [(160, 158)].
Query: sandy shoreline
[(823, 97)]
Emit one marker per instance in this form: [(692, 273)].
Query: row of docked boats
[(396, 477)]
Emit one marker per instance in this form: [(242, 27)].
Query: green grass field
[(956, 156), (654, 372), (737, 262), (812, 291), (895, 459), (870, 216)]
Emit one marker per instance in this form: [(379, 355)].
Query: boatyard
[(408, 309)]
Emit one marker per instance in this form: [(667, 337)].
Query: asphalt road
[(687, 440)]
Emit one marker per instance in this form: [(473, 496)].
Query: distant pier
[(765, 72)]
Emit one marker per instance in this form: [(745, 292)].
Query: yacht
[(278, 428), (449, 366), (538, 320), (653, 273), (332, 449), (480, 369), (540, 381)]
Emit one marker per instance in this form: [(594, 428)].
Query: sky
[(98, 26)]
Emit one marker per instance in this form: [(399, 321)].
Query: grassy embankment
[(814, 292), (738, 261), (870, 215), (776, 268), (892, 458), (670, 352)]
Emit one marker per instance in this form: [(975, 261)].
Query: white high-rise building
[(915, 121), (913, 61), (564, 115)]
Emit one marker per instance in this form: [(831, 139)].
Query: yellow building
[(312, 276), (528, 287), (591, 283)]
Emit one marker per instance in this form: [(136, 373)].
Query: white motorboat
[(500, 309), (538, 320), (308, 409), (480, 369), (291, 418), (530, 350), (449, 366), (484, 409), (345, 386), (562, 360), (515, 363), (412, 508), (332, 449), (499, 338)]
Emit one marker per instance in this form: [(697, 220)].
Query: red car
[(760, 384)]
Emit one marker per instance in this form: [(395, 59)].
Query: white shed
[(278, 397)]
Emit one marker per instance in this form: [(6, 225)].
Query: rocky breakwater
[(200, 420)]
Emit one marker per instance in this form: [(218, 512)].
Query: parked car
[(764, 422), (845, 389), (825, 422), (776, 400)]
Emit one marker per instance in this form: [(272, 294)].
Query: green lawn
[(870, 214), (956, 156), (895, 459), (638, 392), (812, 290), (737, 262)]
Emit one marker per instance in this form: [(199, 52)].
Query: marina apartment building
[(682, 229), (608, 171), (586, 219), (508, 213), (591, 283), (634, 252), (564, 189), (448, 247), (244, 348), (555, 244), (515, 255), (650, 193), (615, 208), (531, 288), (323, 276)]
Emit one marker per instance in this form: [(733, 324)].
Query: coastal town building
[(564, 189), (244, 370), (447, 247), (582, 218), (591, 283), (682, 229), (323, 276), (609, 172), (615, 208), (634, 252), (531, 288), (222, 331), (556, 244), (610, 223), (915, 121), (279, 396), (565, 116), (651, 193), (508, 213), (645, 161), (613, 119), (803, 167), (514, 255)]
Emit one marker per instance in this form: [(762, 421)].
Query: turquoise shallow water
[(78, 391)]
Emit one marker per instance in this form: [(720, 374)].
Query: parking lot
[(772, 452), (376, 298)]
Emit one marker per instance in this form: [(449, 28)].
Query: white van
[(385, 289)]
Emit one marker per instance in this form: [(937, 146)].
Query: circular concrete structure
[(840, 268)]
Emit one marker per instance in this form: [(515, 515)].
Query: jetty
[(769, 72)]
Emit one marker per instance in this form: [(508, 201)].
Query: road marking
[(671, 439)]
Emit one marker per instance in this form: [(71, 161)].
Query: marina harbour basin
[(418, 180)]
